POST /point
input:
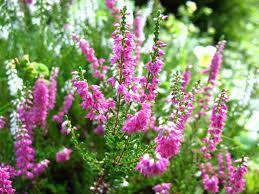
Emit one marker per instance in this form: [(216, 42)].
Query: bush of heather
[(107, 97)]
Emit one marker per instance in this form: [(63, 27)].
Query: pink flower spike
[(217, 122), (5, 182), (40, 102), (68, 101), (63, 155), (111, 5)]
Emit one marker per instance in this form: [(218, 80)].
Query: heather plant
[(120, 100), (132, 139)]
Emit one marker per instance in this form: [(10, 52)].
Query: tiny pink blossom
[(162, 188), (149, 166), (68, 101), (139, 121), (53, 87), (5, 182), (2, 122), (63, 155)]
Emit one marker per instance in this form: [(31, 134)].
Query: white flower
[(14, 127), (204, 54), (191, 6)]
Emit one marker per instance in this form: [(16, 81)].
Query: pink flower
[(237, 181), (217, 122), (40, 102), (69, 98), (216, 63), (2, 122), (169, 142), (154, 67), (93, 101), (10, 169), (53, 87), (186, 79), (111, 5), (5, 182), (40, 167), (24, 152), (66, 127), (122, 54), (99, 130), (28, 2), (111, 81), (213, 74), (139, 121), (210, 183), (162, 188), (25, 112), (63, 155), (98, 71), (149, 166)]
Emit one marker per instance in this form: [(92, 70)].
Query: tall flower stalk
[(213, 74), (217, 122), (5, 182), (53, 87)]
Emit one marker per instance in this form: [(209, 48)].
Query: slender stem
[(125, 148)]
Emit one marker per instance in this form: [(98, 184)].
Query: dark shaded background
[(229, 17)]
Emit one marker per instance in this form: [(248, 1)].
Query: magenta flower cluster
[(67, 103), (111, 5), (162, 188), (31, 113), (228, 176), (122, 57), (2, 122), (231, 177), (186, 78), (99, 70), (5, 182), (213, 74), (25, 153), (217, 122), (63, 155), (150, 166), (209, 180), (154, 67), (168, 142), (40, 103), (138, 122), (93, 101)]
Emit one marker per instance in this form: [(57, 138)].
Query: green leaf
[(40, 68)]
